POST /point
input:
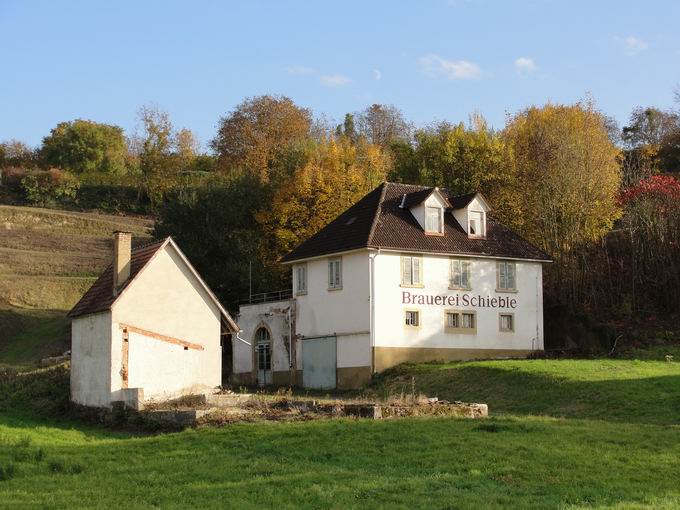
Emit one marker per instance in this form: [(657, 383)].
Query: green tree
[(82, 146)]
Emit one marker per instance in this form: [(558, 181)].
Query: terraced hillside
[(48, 259)]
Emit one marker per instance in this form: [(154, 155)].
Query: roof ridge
[(376, 214)]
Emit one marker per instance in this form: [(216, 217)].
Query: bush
[(50, 187), (12, 177)]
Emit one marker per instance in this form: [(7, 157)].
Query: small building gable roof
[(382, 219), (100, 296)]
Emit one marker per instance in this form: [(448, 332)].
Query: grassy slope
[(623, 450), (48, 259)]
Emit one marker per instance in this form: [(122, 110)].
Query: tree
[(82, 146), (157, 160), (14, 153), (652, 144), (565, 182), (187, 148), (347, 128), (458, 157), (382, 125), (331, 177), (251, 138)]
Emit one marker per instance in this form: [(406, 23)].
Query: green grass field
[(563, 434)]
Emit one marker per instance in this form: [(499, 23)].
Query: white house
[(409, 273), (148, 329)]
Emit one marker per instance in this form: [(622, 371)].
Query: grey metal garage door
[(319, 362)]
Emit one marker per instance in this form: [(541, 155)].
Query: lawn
[(611, 440)]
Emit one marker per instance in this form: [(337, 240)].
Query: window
[(467, 320), (411, 270), (263, 349), (335, 274), (412, 318), (301, 279), (461, 321), (433, 220), (460, 274), (476, 224), (506, 276), (507, 322)]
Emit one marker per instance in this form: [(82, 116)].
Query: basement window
[(412, 318), (460, 321), (507, 322)]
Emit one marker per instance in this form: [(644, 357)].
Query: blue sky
[(434, 59)]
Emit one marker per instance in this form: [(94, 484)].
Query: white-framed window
[(506, 322), (411, 270), (459, 277), (476, 224), (412, 318), (301, 279), (507, 275), (434, 220), (335, 274), (460, 321)]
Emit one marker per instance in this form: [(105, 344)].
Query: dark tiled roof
[(100, 296), (462, 200), (378, 221)]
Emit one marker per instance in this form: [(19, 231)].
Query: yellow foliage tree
[(333, 175)]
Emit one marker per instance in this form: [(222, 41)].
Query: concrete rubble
[(221, 409)]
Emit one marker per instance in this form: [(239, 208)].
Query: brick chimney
[(122, 251)]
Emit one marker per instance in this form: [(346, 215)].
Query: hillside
[(48, 259)]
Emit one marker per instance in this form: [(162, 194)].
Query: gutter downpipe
[(371, 298)]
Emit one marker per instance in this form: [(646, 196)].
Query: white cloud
[(634, 45), (377, 75), (525, 65), (300, 70), (335, 80), (434, 65)]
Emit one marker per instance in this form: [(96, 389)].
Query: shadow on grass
[(510, 390), (28, 335)]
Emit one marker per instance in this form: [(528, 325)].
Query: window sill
[(301, 293), (411, 327), (436, 234), (507, 291), (476, 237), (506, 330), (419, 286), (334, 288), (468, 289)]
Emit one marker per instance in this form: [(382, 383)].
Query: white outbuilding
[(408, 274), (148, 329)]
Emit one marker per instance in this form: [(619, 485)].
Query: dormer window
[(476, 224), (434, 220)]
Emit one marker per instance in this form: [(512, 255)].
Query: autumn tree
[(382, 125), (257, 132), (331, 177), (82, 146), (565, 181), (455, 156)]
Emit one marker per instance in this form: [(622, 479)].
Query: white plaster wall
[(91, 359), (344, 311), (166, 298), (389, 310), (274, 316)]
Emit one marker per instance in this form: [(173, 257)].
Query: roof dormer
[(428, 208), (470, 211)]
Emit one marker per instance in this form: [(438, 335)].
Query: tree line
[(603, 201)]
